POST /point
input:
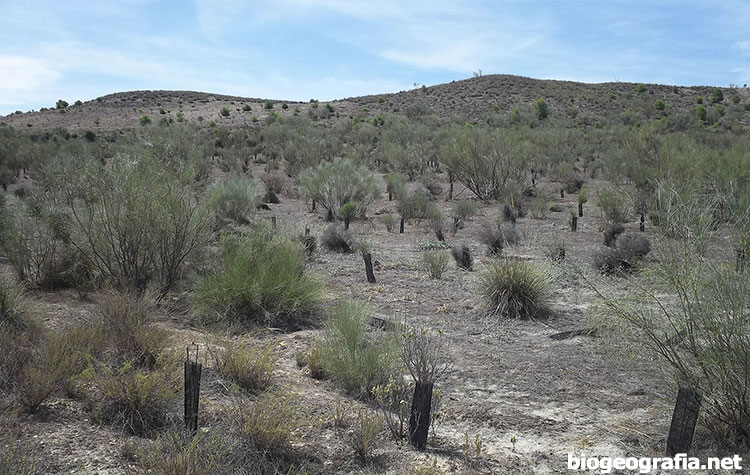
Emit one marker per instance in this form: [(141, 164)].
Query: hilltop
[(474, 100)]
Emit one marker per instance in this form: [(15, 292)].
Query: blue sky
[(327, 49)]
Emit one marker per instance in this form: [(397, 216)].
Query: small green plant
[(541, 109), (145, 120), (514, 289), (348, 212), (225, 112), (268, 104), (717, 96), (432, 245), (367, 427), (271, 422), (61, 104), (659, 105), (699, 100), (701, 114), (246, 108), (352, 359), (436, 262), (249, 368), (395, 184), (472, 449), (640, 88)]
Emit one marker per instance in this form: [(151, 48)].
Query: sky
[(332, 49)]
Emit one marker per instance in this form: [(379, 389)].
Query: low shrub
[(354, 360), (611, 233), (233, 200), (464, 209), (498, 235), (435, 263), (462, 256), (51, 363), (515, 289), (249, 368), (274, 183), (395, 184), (390, 221), (335, 238), (135, 399), (539, 208), (127, 322), (414, 206), (258, 279), (36, 241), (624, 255), (177, 452), (270, 423)]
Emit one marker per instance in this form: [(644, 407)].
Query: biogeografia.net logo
[(651, 464)]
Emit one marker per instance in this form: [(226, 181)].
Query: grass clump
[(176, 452), (270, 423), (514, 289), (354, 360), (249, 368), (13, 308), (258, 279), (436, 262)]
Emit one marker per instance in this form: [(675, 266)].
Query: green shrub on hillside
[(258, 279), (336, 183)]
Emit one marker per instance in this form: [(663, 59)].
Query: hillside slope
[(474, 100)]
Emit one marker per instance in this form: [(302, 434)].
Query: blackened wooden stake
[(419, 419), (401, 228), (741, 257), (313, 205), (684, 418), (368, 267), (439, 235), (580, 210), (193, 370), (273, 221), (562, 193), (643, 222), (574, 223)]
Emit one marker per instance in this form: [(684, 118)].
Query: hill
[(477, 99)]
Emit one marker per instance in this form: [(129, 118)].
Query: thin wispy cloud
[(326, 49)]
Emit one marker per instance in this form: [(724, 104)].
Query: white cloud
[(21, 73)]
